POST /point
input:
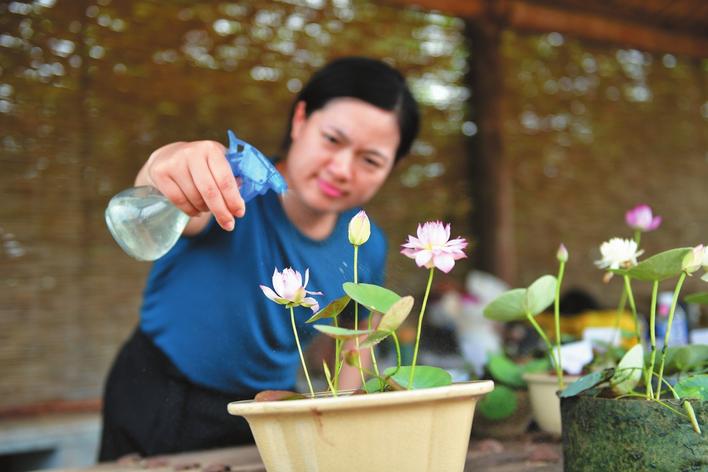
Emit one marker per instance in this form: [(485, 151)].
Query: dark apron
[(151, 408)]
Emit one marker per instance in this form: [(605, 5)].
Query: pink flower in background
[(433, 247), (641, 218), (289, 290)]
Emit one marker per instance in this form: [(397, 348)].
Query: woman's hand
[(197, 178)]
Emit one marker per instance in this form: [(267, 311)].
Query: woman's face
[(341, 154)]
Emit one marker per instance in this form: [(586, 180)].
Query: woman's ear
[(298, 121)]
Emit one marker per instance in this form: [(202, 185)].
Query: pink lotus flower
[(641, 218), (289, 290), (433, 247)]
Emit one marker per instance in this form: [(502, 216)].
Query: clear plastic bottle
[(146, 225)]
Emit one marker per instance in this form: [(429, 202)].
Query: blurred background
[(543, 122)]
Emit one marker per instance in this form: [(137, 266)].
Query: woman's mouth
[(329, 189)]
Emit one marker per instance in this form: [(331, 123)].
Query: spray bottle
[(147, 225)]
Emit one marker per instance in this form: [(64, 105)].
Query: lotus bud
[(693, 260), (562, 254), (359, 229)]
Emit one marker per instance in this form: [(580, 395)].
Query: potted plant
[(405, 418), (649, 411), (526, 304), (506, 411)]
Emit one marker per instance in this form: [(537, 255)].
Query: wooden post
[(491, 177)]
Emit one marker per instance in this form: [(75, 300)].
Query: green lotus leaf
[(536, 365), (341, 333), (661, 266), (509, 306), (694, 387), (498, 404), (629, 371), (505, 371), (425, 376), (685, 358), (374, 338), (587, 382), (374, 384), (396, 314), (373, 297), (332, 310), (700, 298), (540, 294)]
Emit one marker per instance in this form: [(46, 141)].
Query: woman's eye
[(373, 162), (331, 139)]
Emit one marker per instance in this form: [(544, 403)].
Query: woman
[(207, 334)]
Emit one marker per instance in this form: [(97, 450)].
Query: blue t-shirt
[(204, 309)]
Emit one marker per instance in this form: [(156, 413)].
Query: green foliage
[(629, 371), (690, 358), (425, 376), (396, 314), (694, 387), (587, 383), (332, 310), (700, 298), (540, 294), (371, 296), (517, 303), (498, 404), (341, 333), (508, 306), (661, 266), (505, 371)]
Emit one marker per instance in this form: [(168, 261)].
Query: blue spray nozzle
[(257, 172)]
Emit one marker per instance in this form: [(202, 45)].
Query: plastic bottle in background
[(679, 325), (146, 225)]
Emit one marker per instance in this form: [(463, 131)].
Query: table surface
[(534, 452)]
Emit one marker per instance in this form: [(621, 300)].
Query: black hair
[(576, 301), (366, 79)]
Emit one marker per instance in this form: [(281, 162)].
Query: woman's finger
[(227, 183), (186, 183), (211, 193), (173, 191)]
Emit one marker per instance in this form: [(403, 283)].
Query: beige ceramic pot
[(545, 403), (419, 430)]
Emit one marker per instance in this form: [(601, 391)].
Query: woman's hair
[(369, 80)]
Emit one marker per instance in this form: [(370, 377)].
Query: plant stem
[(556, 320), (371, 349), (677, 289), (299, 350), (337, 354), (420, 325), (618, 316), (652, 336), (356, 313), (633, 306), (549, 346), (398, 353)]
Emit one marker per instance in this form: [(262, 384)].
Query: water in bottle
[(144, 222), (147, 225)]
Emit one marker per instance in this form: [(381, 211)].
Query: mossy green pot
[(631, 434)]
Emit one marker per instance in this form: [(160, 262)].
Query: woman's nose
[(340, 165)]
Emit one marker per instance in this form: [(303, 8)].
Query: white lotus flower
[(618, 253), (289, 290)]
